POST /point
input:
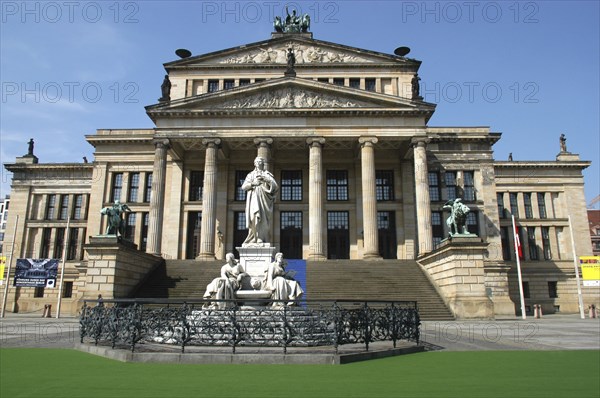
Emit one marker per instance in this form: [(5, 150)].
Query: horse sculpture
[(457, 221)]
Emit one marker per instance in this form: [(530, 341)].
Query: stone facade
[(362, 176)]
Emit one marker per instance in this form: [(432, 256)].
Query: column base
[(316, 257), (372, 257), (206, 257)]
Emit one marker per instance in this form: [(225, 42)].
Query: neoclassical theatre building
[(362, 182)]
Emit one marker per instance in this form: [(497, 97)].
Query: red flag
[(518, 242)]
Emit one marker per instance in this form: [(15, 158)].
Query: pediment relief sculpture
[(304, 54)]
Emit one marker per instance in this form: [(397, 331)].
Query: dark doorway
[(338, 236), (386, 226), (291, 234), (240, 231)]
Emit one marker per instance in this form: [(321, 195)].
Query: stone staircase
[(398, 280)]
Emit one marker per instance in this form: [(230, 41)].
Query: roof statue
[(292, 23)]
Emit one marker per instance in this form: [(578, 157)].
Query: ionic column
[(422, 196), (369, 201), (263, 145), (209, 201), (157, 201), (315, 199)]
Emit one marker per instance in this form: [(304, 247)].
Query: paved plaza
[(552, 332)]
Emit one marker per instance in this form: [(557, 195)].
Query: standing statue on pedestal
[(292, 23), (116, 224), (563, 143), (281, 283), (225, 286), (165, 90), (261, 189), (457, 222)]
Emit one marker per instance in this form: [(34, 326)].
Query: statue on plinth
[(457, 221), (30, 147), (281, 283), (225, 286), (165, 90), (261, 189), (563, 143), (116, 224), (292, 23)]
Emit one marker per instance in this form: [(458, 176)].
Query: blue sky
[(529, 70)]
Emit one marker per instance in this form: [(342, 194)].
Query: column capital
[(420, 141), (312, 141), (161, 143), (263, 141), (211, 142), (367, 141)]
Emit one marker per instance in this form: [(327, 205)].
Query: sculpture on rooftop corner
[(416, 87), (225, 286), (261, 189), (457, 221), (563, 143), (292, 23), (165, 89), (30, 147), (281, 283), (116, 224)]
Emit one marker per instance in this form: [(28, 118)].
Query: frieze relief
[(289, 98), (304, 54)]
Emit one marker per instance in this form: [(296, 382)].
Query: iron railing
[(128, 322)]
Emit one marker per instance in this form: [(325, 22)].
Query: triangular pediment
[(291, 94), (307, 52)]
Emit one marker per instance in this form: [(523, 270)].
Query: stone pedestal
[(256, 260), (457, 270), (115, 267)]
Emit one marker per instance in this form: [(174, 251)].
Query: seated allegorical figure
[(225, 286), (281, 283)]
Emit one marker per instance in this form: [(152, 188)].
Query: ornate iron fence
[(196, 323)]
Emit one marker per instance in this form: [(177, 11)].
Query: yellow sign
[(590, 270), (2, 264)]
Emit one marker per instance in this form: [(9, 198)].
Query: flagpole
[(581, 311), (62, 267), (12, 247), (517, 244)]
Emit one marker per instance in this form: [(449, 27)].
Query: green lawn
[(67, 373)]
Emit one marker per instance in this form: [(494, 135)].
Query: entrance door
[(193, 234), (291, 234), (240, 232), (386, 226), (338, 236)]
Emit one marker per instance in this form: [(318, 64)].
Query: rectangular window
[(240, 231), (473, 222), (501, 208), (59, 243), (63, 211), (533, 252), (434, 186), (355, 83), (72, 247), (213, 85), (77, 207), (514, 206), (240, 176), (68, 290), (370, 84), (117, 187), (130, 227), (45, 249), (291, 234), (526, 293), (541, 197), (134, 187), (1, 236), (196, 185), (450, 179), (144, 237), (193, 234), (323, 79), (553, 289), (244, 82), (546, 243), (469, 190), (51, 207), (337, 185), (338, 81), (38, 292), (506, 244), (437, 228), (148, 188), (338, 243), (228, 84), (291, 185), (527, 202), (384, 185)]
